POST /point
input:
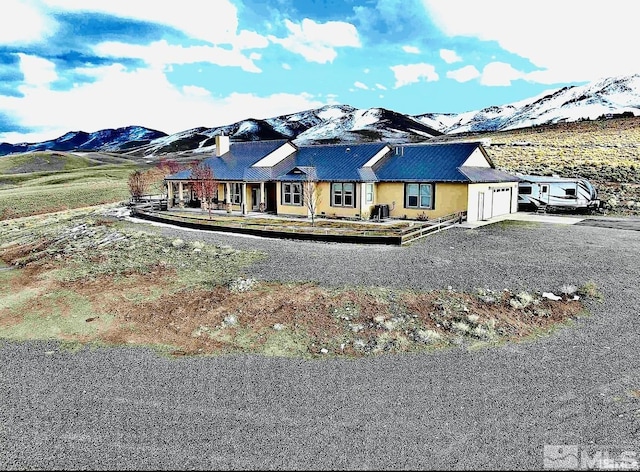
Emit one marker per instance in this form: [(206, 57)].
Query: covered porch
[(230, 196)]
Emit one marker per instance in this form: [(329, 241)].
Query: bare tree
[(311, 197), (138, 184), (155, 180), (169, 166), (204, 184)]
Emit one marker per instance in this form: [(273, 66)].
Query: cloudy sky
[(174, 65)]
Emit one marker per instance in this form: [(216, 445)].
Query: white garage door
[(501, 201)]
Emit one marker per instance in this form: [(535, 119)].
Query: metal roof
[(487, 174), (426, 162), (336, 162), (441, 162), (236, 164)]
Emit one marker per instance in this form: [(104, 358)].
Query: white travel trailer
[(556, 193)]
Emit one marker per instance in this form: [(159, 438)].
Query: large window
[(343, 194), (418, 196), (292, 194)]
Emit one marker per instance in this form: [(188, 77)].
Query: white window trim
[(418, 196)]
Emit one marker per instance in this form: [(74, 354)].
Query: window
[(292, 194), (525, 191), (570, 192), (545, 189), (418, 196), (236, 193), (368, 193), (343, 194)]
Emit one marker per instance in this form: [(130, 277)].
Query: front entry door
[(255, 198)]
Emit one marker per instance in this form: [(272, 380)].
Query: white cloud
[(140, 97), (366, 71), (381, 87), (411, 49), (413, 73), (360, 85), (212, 21), (37, 72), (22, 23), (160, 53), (464, 74), (286, 66), (449, 56), (566, 40), (317, 42), (499, 74)]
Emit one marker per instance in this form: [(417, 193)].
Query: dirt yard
[(86, 278)]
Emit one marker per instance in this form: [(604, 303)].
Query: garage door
[(501, 201)]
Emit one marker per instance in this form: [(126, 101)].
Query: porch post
[(227, 197), (243, 200), (169, 193), (263, 200), (180, 195)]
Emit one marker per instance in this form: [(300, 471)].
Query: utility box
[(380, 212)]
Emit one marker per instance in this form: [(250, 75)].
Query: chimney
[(222, 145)]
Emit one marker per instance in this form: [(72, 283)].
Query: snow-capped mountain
[(329, 124), (112, 140), (346, 124), (615, 95)]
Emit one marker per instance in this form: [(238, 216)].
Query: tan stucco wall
[(361, 209), (296, 210), (449, 198)]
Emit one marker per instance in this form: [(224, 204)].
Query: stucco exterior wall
[(449, 198)]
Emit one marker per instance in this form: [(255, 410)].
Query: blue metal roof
[(425, 162), (335, 162), (440, 162), (236, 164)]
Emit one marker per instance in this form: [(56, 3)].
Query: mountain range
[(615, 96)]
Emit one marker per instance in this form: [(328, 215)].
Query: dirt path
[(129, 408)]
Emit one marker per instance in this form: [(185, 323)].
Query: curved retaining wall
[(195, 223)]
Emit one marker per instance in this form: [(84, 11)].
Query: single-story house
[(352, 180)]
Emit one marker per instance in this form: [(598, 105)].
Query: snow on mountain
[(614, 95), (346, 124), (113, 140)]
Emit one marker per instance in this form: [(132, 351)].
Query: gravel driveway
[(128, 408)]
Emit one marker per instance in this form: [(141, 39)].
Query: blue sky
[(95, 64)]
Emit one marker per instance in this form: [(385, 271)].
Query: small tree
[(155, 180), (204, 184), (156, 175), (138, 184), (169, 166), (311, 197)]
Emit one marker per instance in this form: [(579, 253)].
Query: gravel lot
[(128, 408)]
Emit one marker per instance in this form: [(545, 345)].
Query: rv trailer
[(537, 192)]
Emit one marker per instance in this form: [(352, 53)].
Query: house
[(413, 181)]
